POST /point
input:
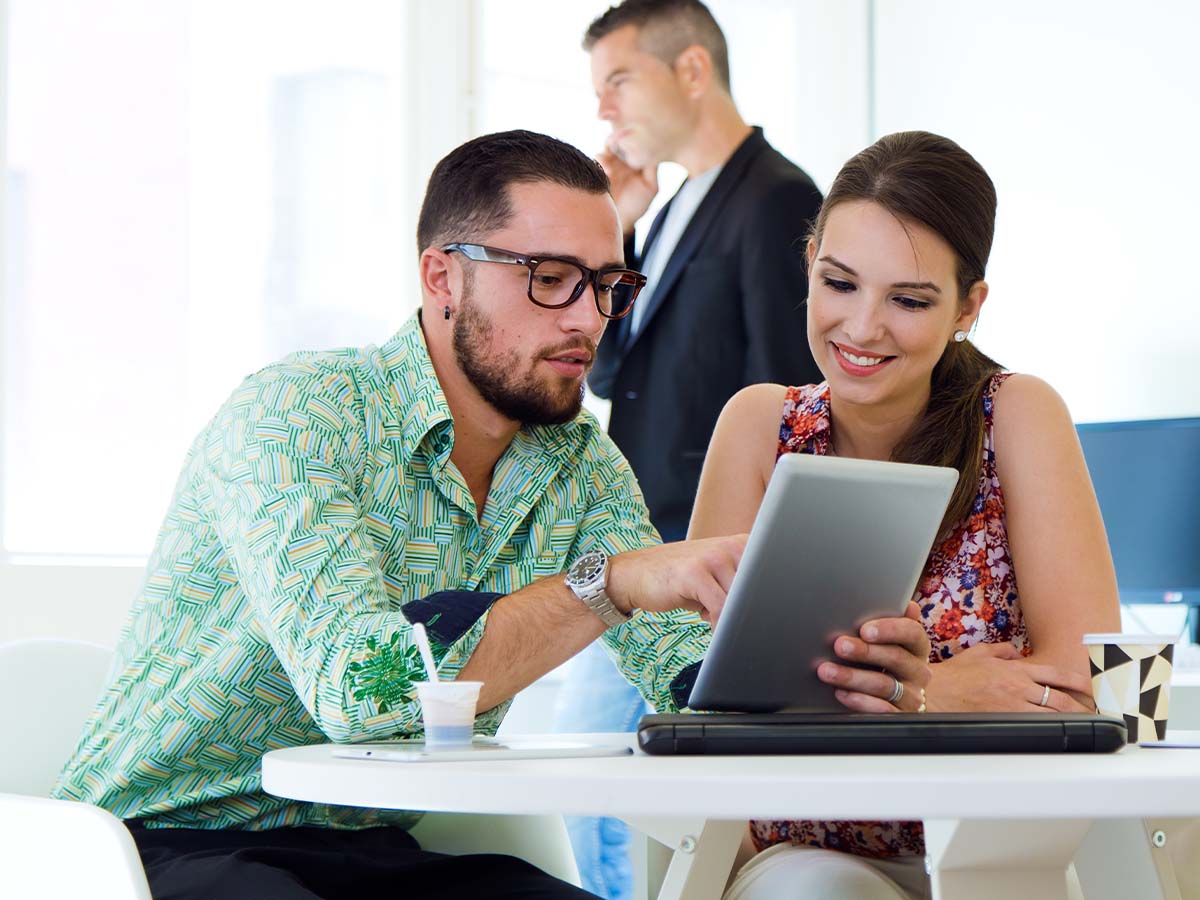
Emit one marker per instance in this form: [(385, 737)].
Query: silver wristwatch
[(587, 578)]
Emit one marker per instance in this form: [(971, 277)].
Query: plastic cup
[(1131, 680), (448, 711)]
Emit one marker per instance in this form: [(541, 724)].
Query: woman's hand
[(995, 678), (900, 647)]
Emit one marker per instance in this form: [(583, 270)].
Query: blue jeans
[(595, 697)]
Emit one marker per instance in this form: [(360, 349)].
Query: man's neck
[(720, 130)]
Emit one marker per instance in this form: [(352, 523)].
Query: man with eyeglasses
[(447, 477)]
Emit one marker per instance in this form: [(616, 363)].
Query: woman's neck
[(870, 431)]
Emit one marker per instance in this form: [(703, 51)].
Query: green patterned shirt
[(318, 500)]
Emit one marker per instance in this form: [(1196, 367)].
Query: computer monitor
[(1147, 479)]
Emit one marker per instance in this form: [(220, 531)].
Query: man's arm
[(533, 630), (282, 464), (774, 285), (530, 632), (281, 482)]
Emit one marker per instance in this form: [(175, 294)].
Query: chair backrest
[(55, 848), (47, 689)]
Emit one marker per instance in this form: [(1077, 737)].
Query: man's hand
[(632, 189), (691, 575), (541, 626)]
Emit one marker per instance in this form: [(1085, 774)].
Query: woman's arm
[(1055, 534), (739, 462), (1060, 557)]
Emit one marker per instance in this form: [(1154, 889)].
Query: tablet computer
[(835, 543), (481, 748)]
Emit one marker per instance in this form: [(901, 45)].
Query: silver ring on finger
[(1045, 695), (897, 691)]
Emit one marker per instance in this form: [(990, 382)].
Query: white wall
[(1085, 113)]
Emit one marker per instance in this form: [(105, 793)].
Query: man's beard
[(498, 375)]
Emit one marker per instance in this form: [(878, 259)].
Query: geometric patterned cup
[(1131, 680)]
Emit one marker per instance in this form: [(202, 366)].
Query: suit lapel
[(706, 215), (655, 228), (623, 337)]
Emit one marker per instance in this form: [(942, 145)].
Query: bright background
[(192, 189)]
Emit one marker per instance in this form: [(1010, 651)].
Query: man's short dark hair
[(665, 29), (467, 196)]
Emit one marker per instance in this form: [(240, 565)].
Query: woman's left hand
[(897, 645)]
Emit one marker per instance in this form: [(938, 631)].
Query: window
[(193, 189)]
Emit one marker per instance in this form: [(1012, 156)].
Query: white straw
[(426, 650)]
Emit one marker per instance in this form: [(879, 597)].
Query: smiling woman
[(897, 260)]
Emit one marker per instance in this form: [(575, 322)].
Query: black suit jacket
[(727, 312)]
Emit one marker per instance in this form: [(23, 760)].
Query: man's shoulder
[(774, 196), (770, 172), (319, 364), (324, 384)]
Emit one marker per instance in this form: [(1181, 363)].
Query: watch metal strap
[(599, 603)]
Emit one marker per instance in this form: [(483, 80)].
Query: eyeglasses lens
[(557, 283)]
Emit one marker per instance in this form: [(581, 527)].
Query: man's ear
[(439, 279), (694, 71), (971, 306)]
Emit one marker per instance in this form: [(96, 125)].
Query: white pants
[(788, 872)]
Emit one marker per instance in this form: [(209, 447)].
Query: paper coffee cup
[(448, 712), (1131, 680)]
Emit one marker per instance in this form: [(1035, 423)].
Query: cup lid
[(1097, 638)]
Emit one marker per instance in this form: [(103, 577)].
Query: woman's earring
[(959, 336), (447, 314)]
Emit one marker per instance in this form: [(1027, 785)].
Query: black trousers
[(311, 863)]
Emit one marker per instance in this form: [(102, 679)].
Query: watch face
[(586, 568)]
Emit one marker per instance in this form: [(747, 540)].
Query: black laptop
[(861, 733)]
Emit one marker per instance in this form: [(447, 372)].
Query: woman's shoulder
[(1017, 394), (750, 421), (1023, 405), (758, 401)]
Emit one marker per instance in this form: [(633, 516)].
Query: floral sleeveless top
[(967, 595)]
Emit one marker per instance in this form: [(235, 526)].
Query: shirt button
[(631, 395)]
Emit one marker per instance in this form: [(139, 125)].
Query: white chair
[(59, 850), (53, 848), (47, 689)]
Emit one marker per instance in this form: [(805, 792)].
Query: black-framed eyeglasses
[(555, 283)]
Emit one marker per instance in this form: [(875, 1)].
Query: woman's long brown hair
[(925, 178)]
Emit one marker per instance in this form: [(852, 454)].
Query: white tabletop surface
[(1134, 782)]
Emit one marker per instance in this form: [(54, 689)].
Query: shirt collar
[(415, 391)]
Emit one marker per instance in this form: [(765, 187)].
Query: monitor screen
[(1147, 479)]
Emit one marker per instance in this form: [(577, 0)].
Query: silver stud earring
[(960, 336)]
